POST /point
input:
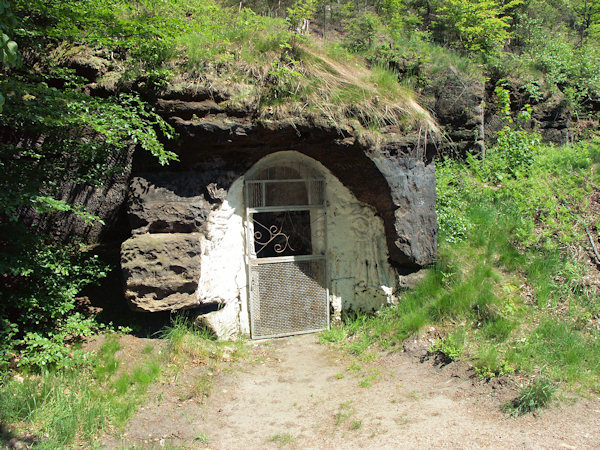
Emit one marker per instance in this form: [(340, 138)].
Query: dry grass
[(301, 81), (373, 96)]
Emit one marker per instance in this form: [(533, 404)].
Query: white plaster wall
[(360, 277), (223, 277)]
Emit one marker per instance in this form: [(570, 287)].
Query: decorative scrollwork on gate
[(274, 232)]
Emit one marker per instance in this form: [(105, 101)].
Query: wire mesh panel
[(288, 298)]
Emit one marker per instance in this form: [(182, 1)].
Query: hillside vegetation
[(516, 287)]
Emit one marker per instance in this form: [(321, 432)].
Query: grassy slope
[(514, 289), (56, 409)]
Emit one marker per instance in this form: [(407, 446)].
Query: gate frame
[(252, 261)]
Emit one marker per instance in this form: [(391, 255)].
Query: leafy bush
[(513, 153), (38, 292), (361, 32), (299, 12), (478, 25), (452, 201), (55, 137), (568, 67), (451, 347), (41, 279), (284, 77)]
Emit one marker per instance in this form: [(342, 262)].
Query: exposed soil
[(297, 393)]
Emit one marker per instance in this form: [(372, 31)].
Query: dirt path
[(300, 394)]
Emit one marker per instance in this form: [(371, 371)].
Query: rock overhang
[(387, 181), (395, 177)]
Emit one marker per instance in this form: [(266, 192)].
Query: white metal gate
[(286, 241)]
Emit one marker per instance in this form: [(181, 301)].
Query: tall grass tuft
[(533, 397)]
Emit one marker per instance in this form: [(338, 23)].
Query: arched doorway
[(286, 249)]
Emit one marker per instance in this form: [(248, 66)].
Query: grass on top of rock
[(514, 288), (257, 60)]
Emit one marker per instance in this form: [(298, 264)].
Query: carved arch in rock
[(357, 274)]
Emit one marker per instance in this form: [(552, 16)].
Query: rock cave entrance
[(285, 248)]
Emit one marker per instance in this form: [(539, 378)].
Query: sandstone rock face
[(157, 209), (412, 188), (105, 201), (458, 105), (187, 222), (168, 214), (161, 271), (551, 114)]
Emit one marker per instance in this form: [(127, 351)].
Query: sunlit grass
[(60, 406), (76, 404), (520, 301)]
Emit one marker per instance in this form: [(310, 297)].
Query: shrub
[(37, 301), (452, 202), (478, 25), (361, 32), (451, 347)]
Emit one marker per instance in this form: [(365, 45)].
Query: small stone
[(16, 444)]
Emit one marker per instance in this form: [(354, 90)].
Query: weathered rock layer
[(394, 175)]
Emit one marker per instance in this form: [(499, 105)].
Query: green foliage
[(587, 17), (212, 40), (9, 51), (499, 286), (498, 329), (53, 138), (301, 10), (489, 364), (67, 119), (451, 347), (333, 335), (403, 16), (568, 354), (452, 202), (72, 139), (567, 67), (181, 328), (533, 397), (478, 25), (284, 79), (361, 32), (513, 153), (515, 149), (37, 317), (77, 402)]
